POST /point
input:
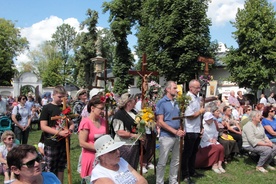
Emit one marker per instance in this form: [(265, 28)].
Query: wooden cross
[(207, 61), (66, 139), (145, 76)]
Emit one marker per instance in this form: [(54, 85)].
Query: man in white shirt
[(263, 100), (193, 132)]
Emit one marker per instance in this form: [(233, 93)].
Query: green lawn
[(240, 171)]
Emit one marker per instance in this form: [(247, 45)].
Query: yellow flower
[(137, 119)]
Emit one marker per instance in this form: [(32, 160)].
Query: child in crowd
[(34, 117), (6, 145)]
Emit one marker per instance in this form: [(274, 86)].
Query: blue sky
[(38, 19)]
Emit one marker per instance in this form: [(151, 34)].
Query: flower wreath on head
[(154, 88)]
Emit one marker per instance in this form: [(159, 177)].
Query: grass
[(239, 171)]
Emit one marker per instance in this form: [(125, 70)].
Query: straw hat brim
[(79, 92), (110, 148)]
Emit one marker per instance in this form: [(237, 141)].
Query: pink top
[(88, 156)]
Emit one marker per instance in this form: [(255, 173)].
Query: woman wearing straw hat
[(78, 105), (124, 127), (111, 167)]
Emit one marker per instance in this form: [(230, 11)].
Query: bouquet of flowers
[(206, 78), (109, 100), (145, 119), (66, 115), (183, 101)]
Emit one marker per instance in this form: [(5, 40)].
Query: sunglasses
[(31, 163), (82, 93), (10, 138), (23, 98), (272, 111)]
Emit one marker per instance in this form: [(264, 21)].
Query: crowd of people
[(213, 135)]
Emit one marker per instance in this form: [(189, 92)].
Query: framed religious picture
[(212, 88)]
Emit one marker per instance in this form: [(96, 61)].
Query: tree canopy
[(172, 34), (85, 50), (64, 38), (251, 65), (121, 20), (46, 61), (11, 44)]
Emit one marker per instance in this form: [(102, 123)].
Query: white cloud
[(42, 31), (223, 11)]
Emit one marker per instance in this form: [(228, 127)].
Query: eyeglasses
[(82, 93), (10, 138), (100, 108), (31, 163), (196, 87)]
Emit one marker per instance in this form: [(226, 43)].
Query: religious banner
[(212, 88)]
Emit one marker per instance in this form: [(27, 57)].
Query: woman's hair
[(20, 97), (59, 90), (225, 108), (6, 134), (95, 100), (214, 108), (253, 114), (246, 108), (259, 106), (266, 110), (18, 153)]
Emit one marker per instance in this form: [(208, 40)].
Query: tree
[(108, 45), (121, 20), (11, 44), (174, 34), (47, 63), (64, 38), (85, 50), (251, 65)]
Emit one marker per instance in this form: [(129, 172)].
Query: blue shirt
[(50, 178), (266, 122), (169, 109)]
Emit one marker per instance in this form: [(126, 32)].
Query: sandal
[(269, 167), (261, 169), (221, 170), (216, 171)]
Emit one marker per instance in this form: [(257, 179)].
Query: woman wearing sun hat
[(124, 126), (111, 168), (78, 106), (210, 152)]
